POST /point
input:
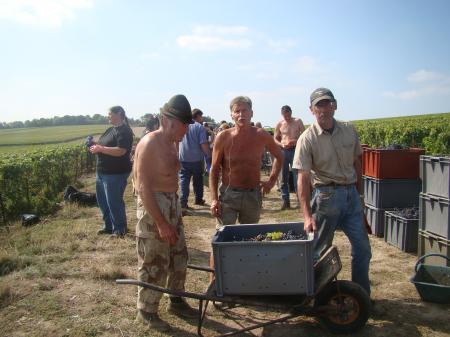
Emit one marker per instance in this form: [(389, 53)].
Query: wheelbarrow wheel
[(347, 306)]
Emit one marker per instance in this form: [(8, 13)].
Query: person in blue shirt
[(193, 150)]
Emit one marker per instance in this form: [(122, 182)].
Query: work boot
[(152, 320), (185, 211), (286, 205), (201, 202), (179, 307), (103, 232)]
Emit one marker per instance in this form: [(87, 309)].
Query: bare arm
[(274, 150), (277, 135), (304, 195), (145, 175), (206, 150), (216, 164), (110, 151), (301, 126)]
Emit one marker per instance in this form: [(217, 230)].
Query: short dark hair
[(286, 108), (196, 113)]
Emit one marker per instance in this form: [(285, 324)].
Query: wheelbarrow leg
[(201, 315)]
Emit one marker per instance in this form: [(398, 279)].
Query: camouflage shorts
[(239, 204), (158, 262)]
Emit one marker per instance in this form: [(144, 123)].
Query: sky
[(380, 58)]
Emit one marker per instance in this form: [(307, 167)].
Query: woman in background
[(113, 168)]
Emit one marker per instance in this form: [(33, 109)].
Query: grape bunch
[(407, 213), (394, 147), (290, 235), (277, 236)]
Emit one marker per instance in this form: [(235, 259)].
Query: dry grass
[(58, 280)]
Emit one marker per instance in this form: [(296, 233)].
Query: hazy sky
[(380, 58)]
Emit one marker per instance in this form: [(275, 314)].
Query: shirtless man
[(287, 132), (160, 240), (237, 156)]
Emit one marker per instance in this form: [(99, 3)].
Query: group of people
[(326, 157)]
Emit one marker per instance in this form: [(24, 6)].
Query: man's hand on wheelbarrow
[(215, 208), (310, 224), (168, 233)]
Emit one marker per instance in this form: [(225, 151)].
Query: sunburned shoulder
[(150, 140), (262, 132)]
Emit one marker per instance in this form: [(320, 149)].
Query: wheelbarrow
[(432, 282), (342, 306)]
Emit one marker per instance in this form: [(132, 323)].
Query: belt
[(237, 189), (334, 185)]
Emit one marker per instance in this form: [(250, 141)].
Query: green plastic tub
[(432, 282)]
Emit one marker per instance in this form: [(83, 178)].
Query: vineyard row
[(32, 182)]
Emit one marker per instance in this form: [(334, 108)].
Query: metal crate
[(401, 232), (391, 193), (375, 218), (434, 215), (435, 175), (262, 268)]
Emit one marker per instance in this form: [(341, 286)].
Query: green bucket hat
[(178, 107)]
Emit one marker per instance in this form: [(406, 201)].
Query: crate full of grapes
[(402, 228), (263, 259)]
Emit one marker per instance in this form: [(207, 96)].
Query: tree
[(208, 120)]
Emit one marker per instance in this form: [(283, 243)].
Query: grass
[(10, 149), (60, 281), (48, 135), (38, 139)]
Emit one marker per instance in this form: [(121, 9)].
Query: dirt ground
[(67, 286)]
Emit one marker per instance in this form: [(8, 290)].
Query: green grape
[(274, 236)]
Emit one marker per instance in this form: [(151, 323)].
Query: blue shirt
[(190, 146)]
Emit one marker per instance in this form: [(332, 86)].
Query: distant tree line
[(79, 120)]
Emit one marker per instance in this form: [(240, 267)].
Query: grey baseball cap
[(320, 94), (178, 107)]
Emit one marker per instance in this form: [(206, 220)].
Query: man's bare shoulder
[(262, 132), (224, 135), (150, 141)]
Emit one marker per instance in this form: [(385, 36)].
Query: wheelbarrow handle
[(427, 255), (196, 296)]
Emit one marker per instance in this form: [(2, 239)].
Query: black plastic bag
[(68, 191), (71, 194), (29, 219)]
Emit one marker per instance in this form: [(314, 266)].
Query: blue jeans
[(288, 159), (340, 207), (110, 189), (188, 170)]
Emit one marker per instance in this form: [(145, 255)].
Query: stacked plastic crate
[(391, 180), (434, 218)]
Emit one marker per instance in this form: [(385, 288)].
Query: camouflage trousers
[(158, 262)]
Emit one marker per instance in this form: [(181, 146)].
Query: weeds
[(108, 273), (8, 264), (6, 296)]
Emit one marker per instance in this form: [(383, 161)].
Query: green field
[(47, 135), (440, 116)]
